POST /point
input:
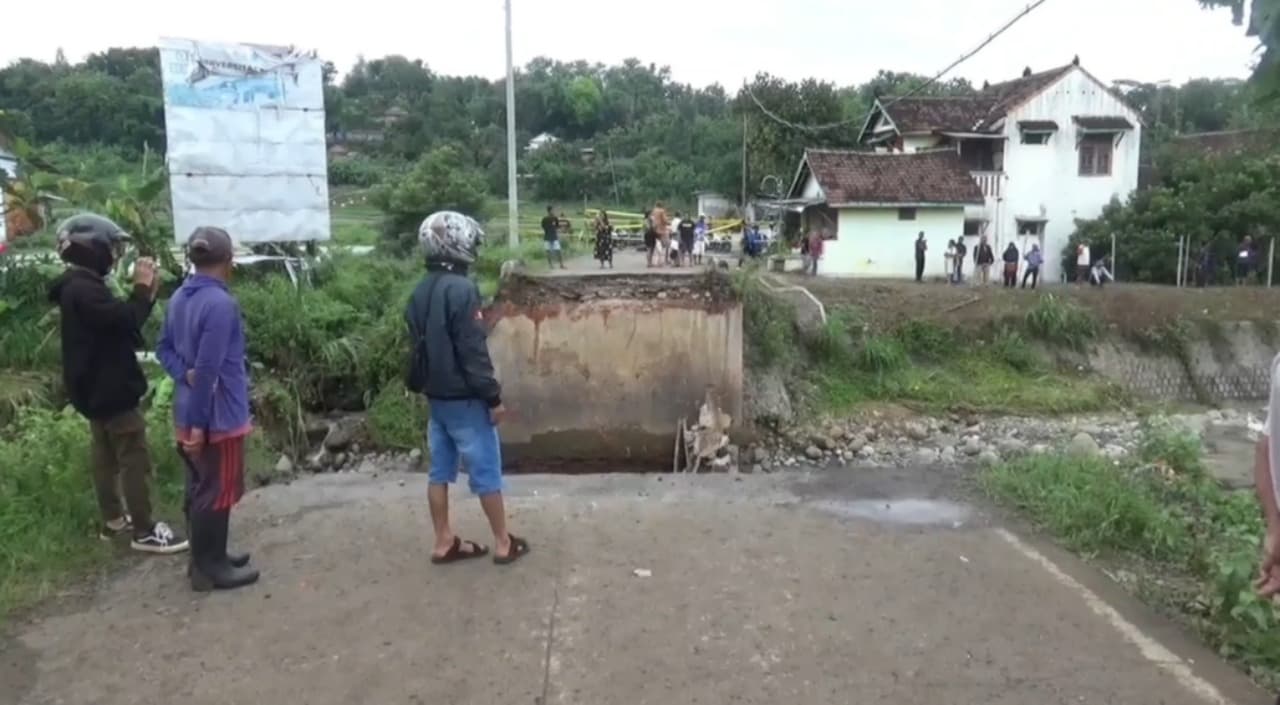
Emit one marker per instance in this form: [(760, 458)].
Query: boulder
[(866, 452), (972, 446), (1082, 445), (284, 466), (813, 453), (916, 431), (948, 455), (343, 433), (988, 457), (927, 455)]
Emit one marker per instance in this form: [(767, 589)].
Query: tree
[(1264, 23), (440, 180), (1214, 202)]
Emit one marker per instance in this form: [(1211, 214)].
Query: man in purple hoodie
[(202, 349)]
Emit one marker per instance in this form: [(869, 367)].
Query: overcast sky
[(844, 41)]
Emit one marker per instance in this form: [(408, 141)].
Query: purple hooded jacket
[(203, 332)]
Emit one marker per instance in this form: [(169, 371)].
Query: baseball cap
[(210, 245)]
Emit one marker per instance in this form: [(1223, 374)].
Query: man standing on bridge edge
[(450, 365), (202, 347), (551, 238)]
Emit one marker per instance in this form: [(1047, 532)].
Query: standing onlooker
[(1010, 266), (922, 247), (1204, 266), (1034, 260), (662, 227), (650, 236), (984, 257), (804, 251), (450, 365), (1082, 263), (604, 240), (202, 348), (816, 243), (687, 232), (700, 240), (551, 238), (949, 260), (1244, 260), (100, 372), (961, 251)]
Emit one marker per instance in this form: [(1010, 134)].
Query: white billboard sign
[(246, 140)]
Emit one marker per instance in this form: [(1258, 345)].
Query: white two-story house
[(1045, 149)]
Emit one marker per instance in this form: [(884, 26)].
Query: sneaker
[(161, 539), (116, 528)]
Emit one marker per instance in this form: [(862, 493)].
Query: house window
[(1036, 137), (906, 214), (973, 228), (1031, 227), (1095, 155)]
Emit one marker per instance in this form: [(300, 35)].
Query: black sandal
[(455, 552), (519, 547)]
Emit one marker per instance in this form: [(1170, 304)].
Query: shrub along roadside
[(1193, 545)]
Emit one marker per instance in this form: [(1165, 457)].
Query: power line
[(934, 79)]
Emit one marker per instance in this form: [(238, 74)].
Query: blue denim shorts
[(551, 245), (461, 430)]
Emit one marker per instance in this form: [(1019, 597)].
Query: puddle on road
[(909, 511)]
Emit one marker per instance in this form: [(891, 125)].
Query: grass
[(936, 368), (48, 527), (1191, 546)]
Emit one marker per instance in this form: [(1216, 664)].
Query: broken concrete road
[(833, 587)]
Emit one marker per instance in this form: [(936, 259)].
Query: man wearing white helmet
[(450, 365)]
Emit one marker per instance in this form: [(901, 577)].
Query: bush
[(1011, 349), (1090, 504), (398, 418), (1164, 443), (356, 171), (882, 354), (767, 321), (1054, 320), (927, 340), (440, 180), (48, 529), (833, 342)]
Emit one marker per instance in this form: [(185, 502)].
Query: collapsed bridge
[(600, 368)]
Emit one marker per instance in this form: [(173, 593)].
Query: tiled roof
[(968, 113), (1102, 122), (958, 113), (851, 178)]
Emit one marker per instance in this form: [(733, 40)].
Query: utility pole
[(513, 198), (744, 162)]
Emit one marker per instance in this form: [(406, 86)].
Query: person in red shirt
[(816, 240)]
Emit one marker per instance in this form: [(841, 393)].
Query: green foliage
[(1168, 445), (882, 354), (1194, 545), (1088, 503), (927, 340), (833, 343), (438, 181), (1010, 348), (358, 171), (398, 418), (1060, 322), (1215, 202), (48, 526), (768, 323)]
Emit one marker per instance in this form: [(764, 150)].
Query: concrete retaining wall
[(1228, 363), (600, 369)]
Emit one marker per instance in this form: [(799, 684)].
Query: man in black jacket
[(100, 337), (450, 365)]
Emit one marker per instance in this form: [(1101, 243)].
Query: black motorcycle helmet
[(91, 241)]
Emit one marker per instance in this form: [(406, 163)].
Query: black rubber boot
[(210, 567), (236, 559)]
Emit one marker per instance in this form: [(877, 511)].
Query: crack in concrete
[(557, 575)]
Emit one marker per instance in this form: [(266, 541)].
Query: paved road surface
[(832, 587)]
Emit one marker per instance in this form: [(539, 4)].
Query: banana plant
[(137, 206)]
